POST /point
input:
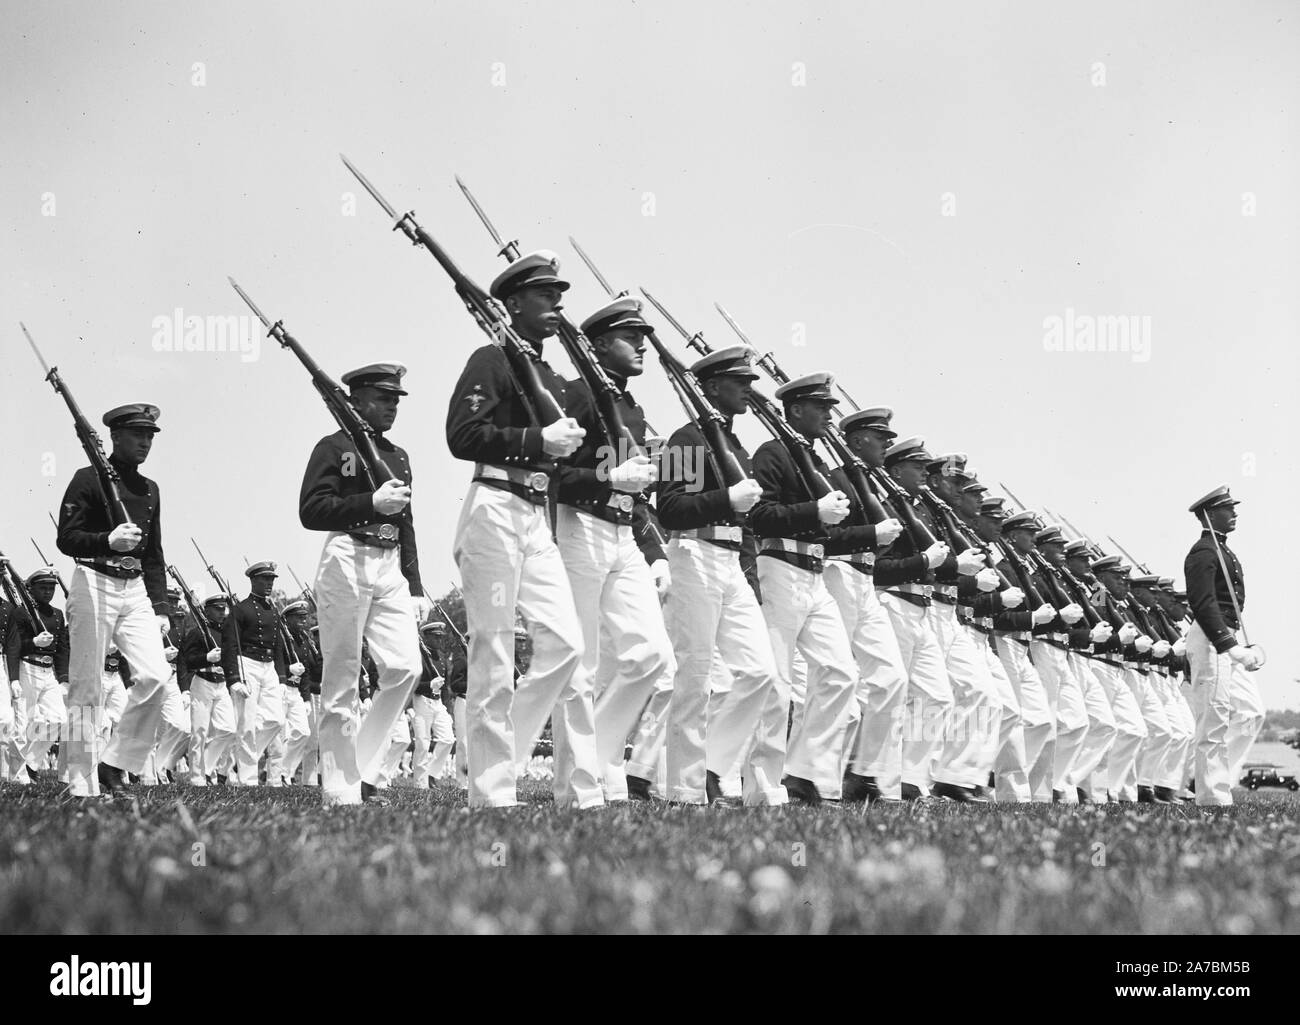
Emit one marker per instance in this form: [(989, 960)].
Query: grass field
[(177, 859)]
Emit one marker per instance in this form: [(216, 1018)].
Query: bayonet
[(510, 250), (592, 267)]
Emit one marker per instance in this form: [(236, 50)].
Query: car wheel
[(1293, 785), (1252, 785)]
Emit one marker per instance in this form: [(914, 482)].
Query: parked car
[(1257, 776)]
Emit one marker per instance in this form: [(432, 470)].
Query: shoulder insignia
[(475, 398)]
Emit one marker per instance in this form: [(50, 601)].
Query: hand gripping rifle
[(229, 595), (1153, 614), (857, 472), (490, 316), (105, 472), (49, 565), (799, 447), (581, 354), (281, 627), (193, 605), (1053, 576), (336, 400), (19, 595)]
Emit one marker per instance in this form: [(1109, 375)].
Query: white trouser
[(625, 644), (1155, 749), (1231, 716), (1130, 731), (103, 610), (257, 716), (929, 693), (10, 751), (1065, 697), (432, 722), (174, 729), (976, 711), (361, 594), (459, 720), (390, 761), (45, 711), (507, 558), (311, 756), (1010, 770), (1099, 739), (212, 727), (114, 703), (652, 728), (1168, 772), (297, 735), (711, 607), (877, 749), (1037, 722), (801, 615)]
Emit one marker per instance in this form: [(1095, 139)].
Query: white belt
[(734, 534), (867, 559), (535, 479), (785, 544)]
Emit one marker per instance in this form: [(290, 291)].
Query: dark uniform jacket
[(487, 420), (194, 655), (336, 495), (56, 655), (688, 504), (308, 651), (84, 525), (10, 639), (176, 639), (904, 563), (1207, 591), (584, 476), (115, 663), (251, 630)]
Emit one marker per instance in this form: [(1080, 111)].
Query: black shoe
[(1145, 794), (222, 780), (262, 778), (1165, 795), (1084, 796), (638, 788), (986, 795), (371, 794), (993, 783), (111, 779), (40, 775), (133, 778), (802, 790), (1057, 796), (1191, 787), (911, 792), (860, 788), (169, 777), (714, 795), (960, 794)]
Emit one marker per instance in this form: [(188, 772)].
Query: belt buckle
[(734, 534), (817, 551), (623, 503), (129, 563), (538, 481), (387, 532)]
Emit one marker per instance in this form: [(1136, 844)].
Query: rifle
[(336, 401), (306, 592), (49, 565), (489, 314), (19, 594), (281, 627), (1051, 574), (901, 502), (581, 354), (105, 472), (799, 447), (188, 595), (1166, 625), (857, 472), (229, 595)]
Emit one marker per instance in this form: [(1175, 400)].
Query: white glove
[(422, 605), (16, 690), (297, 669), (887, 532), (637, 474), (662, 578), (112, 649), (832, 508), (1179, 648), (124, 537), (214, 656), (743, 494), (170, 653), (43, 639), (1072, 613), (936, 554), (1127, 633), (1013, 598), (1043, 614), (164, 625), (1243, 656), (988, 580), (1143, 644), (1160, 649), (1101, 633), (563, 437), (970, 562), (391, 497), (240, 690)]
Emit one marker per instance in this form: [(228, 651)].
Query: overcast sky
[(903, 194)]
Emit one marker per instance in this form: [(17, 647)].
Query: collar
[(125, 469)]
